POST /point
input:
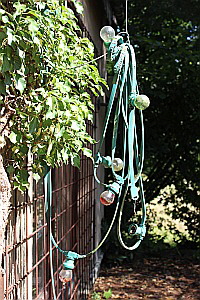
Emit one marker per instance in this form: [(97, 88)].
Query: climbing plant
[(45, 86)]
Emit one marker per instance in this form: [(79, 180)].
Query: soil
[(151, 278)]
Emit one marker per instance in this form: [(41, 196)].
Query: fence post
[(1, 285)]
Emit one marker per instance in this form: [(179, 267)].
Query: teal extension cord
[(123, 103)]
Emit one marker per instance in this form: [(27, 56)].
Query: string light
[(107, 34), (142, 102), (108, 196)]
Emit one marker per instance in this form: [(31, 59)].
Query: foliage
[(105, 295), (166, 40), (45, 84), (163, 226), (96, 296)]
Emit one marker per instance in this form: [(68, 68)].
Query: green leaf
[(10, 169), (79, 6), (5, 19), (75, 159), (50, 115), (65, 155), (7, 79), (19, 9), (33, 126), (6, 66), (75, 126), (41, 5), (21, 53), (96, 296), (49, 101), (23, 148), (10, 34), (36, 176), (33, 26), (2, 11), (17, 63), (107, 294), (2, 88), (20, 84), (13, 137), (49, 148), (87, 152), (23, 175), (2, 36)]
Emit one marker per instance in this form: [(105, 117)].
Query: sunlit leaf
[(87, 152), (13, 137), (20, 84)]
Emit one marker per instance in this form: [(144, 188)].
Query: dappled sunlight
[(152, 278)]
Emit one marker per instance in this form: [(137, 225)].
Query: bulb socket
[(68, 264)]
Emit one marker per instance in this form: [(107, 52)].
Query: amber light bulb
[(107, 197), (65, 275)]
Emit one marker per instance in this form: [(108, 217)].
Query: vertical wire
[(48, 207), (126, 14)]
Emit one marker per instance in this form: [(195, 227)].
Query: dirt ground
[(151, 278)]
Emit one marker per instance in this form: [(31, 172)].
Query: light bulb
[(117, 164), (142, 102), (107, 34), (65, 275), (107, 197), (133, 229)]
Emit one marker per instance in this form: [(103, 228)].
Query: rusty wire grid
[(26, 259)]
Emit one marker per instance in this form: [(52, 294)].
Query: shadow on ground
[(152, 278)]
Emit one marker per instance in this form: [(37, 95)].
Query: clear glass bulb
[(133, 229), (65, 275), (107, 197), (107, 34), (117, 164), (142, 102)]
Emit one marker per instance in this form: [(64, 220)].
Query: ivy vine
[(46, 85)]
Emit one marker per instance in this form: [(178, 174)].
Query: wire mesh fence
[(26, 259), (76, 219)]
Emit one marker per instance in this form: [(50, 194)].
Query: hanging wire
[(126, 21), (48, 205), (126, 14), (87, 63)]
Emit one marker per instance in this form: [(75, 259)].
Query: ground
[(163, 278)]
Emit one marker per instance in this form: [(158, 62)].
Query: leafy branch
[(49, 96)]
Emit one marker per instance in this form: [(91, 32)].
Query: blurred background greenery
[(165, 35)]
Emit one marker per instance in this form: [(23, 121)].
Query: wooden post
[(1, 285), (5, 195)]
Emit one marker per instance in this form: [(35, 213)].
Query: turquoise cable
[(48, 195), (125, 86), (127, 90)]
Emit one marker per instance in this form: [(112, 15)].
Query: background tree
[(166, 39)]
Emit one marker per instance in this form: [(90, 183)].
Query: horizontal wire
[(97, 58)]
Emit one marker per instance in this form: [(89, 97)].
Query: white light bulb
[(107, 34), (117, 164), (65, 275), (142, 102), (107, 197)]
